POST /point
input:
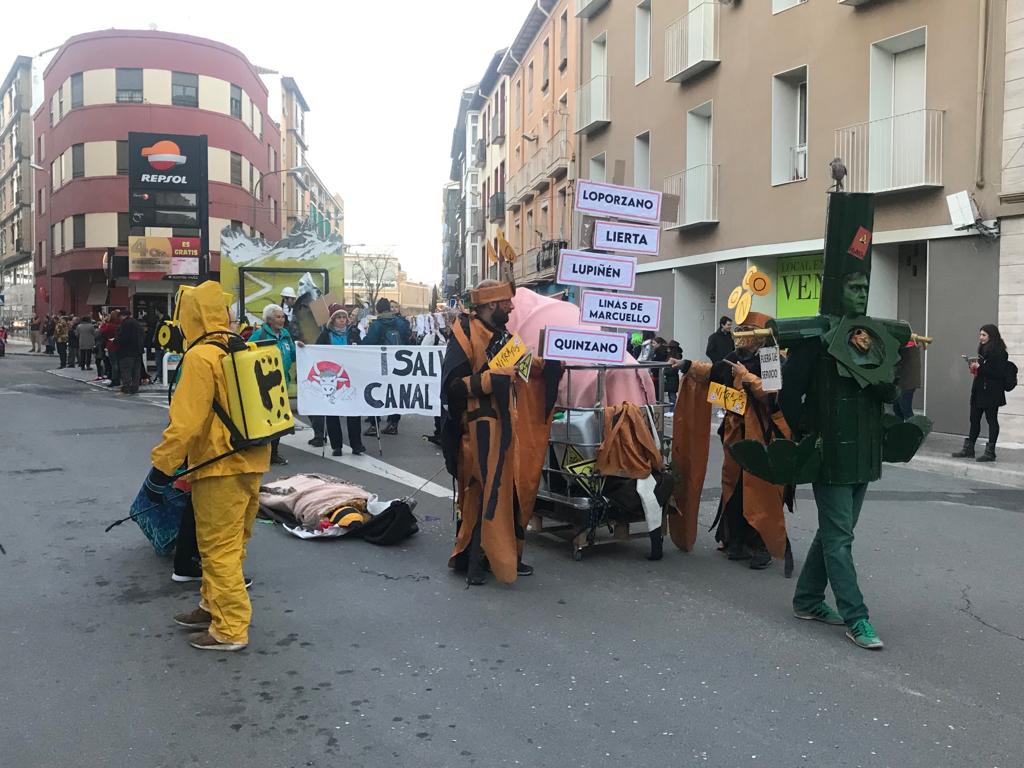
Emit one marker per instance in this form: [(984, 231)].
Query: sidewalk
[(934, 456)]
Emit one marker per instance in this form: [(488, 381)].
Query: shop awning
[(97, 295)]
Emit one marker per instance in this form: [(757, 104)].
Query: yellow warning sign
[(583, 470), (523, 368), (508, 355), (734, 400)]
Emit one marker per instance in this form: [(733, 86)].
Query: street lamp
[(49, 233), (258, 188)]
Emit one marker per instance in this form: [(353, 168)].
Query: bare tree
[(371, 272)]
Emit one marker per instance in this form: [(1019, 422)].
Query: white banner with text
[(368, 381)]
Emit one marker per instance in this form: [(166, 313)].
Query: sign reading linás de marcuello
[(620, 310)]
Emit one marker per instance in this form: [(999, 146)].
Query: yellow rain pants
[(225, 510)]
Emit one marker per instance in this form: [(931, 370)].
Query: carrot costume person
[(495, 423)]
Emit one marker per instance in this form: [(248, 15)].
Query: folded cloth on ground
[(308, 498)]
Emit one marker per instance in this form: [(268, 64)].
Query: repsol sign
[(166, 161)]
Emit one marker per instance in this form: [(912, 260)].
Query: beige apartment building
[(737, 108), (539, 72), (1011, 192), (304, 196), (16, 273)]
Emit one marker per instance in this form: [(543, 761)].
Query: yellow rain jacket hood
[(196, 433)]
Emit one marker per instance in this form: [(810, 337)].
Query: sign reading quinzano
[(628, 238), (584, 345), (599, 270), (618, 310), (601, 199)]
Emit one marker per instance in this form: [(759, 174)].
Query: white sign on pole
[(602, 199), (368, 381), (598, 270), (584, 345), (618, 310), (628, 238), (771, 369)]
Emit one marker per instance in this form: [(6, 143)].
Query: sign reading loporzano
[(599, 199)]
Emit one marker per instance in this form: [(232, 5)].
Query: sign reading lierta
[(584, 345), (619, 310), (598, 270), (619, 202), (628, 238)]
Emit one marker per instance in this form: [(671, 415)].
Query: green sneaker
[(821, 612), (864, 635)]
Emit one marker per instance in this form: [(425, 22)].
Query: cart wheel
[(577, 555)]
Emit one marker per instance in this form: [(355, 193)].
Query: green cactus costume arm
[(840, 370)]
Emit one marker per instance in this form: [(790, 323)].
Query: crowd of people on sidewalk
[(116, 342)]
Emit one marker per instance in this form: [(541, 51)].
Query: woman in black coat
[(988, 392)]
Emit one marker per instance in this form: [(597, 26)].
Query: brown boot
[(204, 641), (197, 619)]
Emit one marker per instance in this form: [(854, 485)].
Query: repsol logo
[(163, 178)]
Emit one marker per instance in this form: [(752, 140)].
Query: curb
[(968, 470)]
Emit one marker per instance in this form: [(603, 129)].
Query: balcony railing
[(592, 99), (798, 162), (893, 153), (498, 128), (476, 219), (537, 177), (497, 210), (697, 189), (558, 156), (587, 8), (691, 43), (513, 185)]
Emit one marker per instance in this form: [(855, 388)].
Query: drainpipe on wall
[(577, 234), (979, 128)]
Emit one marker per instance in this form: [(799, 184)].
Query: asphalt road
[(367, 656)]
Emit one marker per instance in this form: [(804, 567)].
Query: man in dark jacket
[(389, 329), (720, 342), (130, 345)]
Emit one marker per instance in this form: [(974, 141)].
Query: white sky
[(382, 79)]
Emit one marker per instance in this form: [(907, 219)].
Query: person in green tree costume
[(839, 373)]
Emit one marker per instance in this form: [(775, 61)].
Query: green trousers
[(830, 559)]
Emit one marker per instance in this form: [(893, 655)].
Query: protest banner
[(369, 381)]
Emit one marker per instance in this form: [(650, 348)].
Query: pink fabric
[(533, 312)]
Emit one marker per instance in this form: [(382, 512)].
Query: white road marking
[(367, 463)]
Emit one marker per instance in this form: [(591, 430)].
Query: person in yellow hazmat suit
[(225, 493)]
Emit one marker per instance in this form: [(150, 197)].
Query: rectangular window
[(273, 211), (60, 103), (129, 86), (76, 90), (123, 229), (597, 170), (53, 238), (529, 87), (184, 89), (78, 230), (236, 225), (546, 60), (236, 101), (642, 161), (643, 41), (789, 126), (77, 161), (563, 40), (122, 158), (236, 169)]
